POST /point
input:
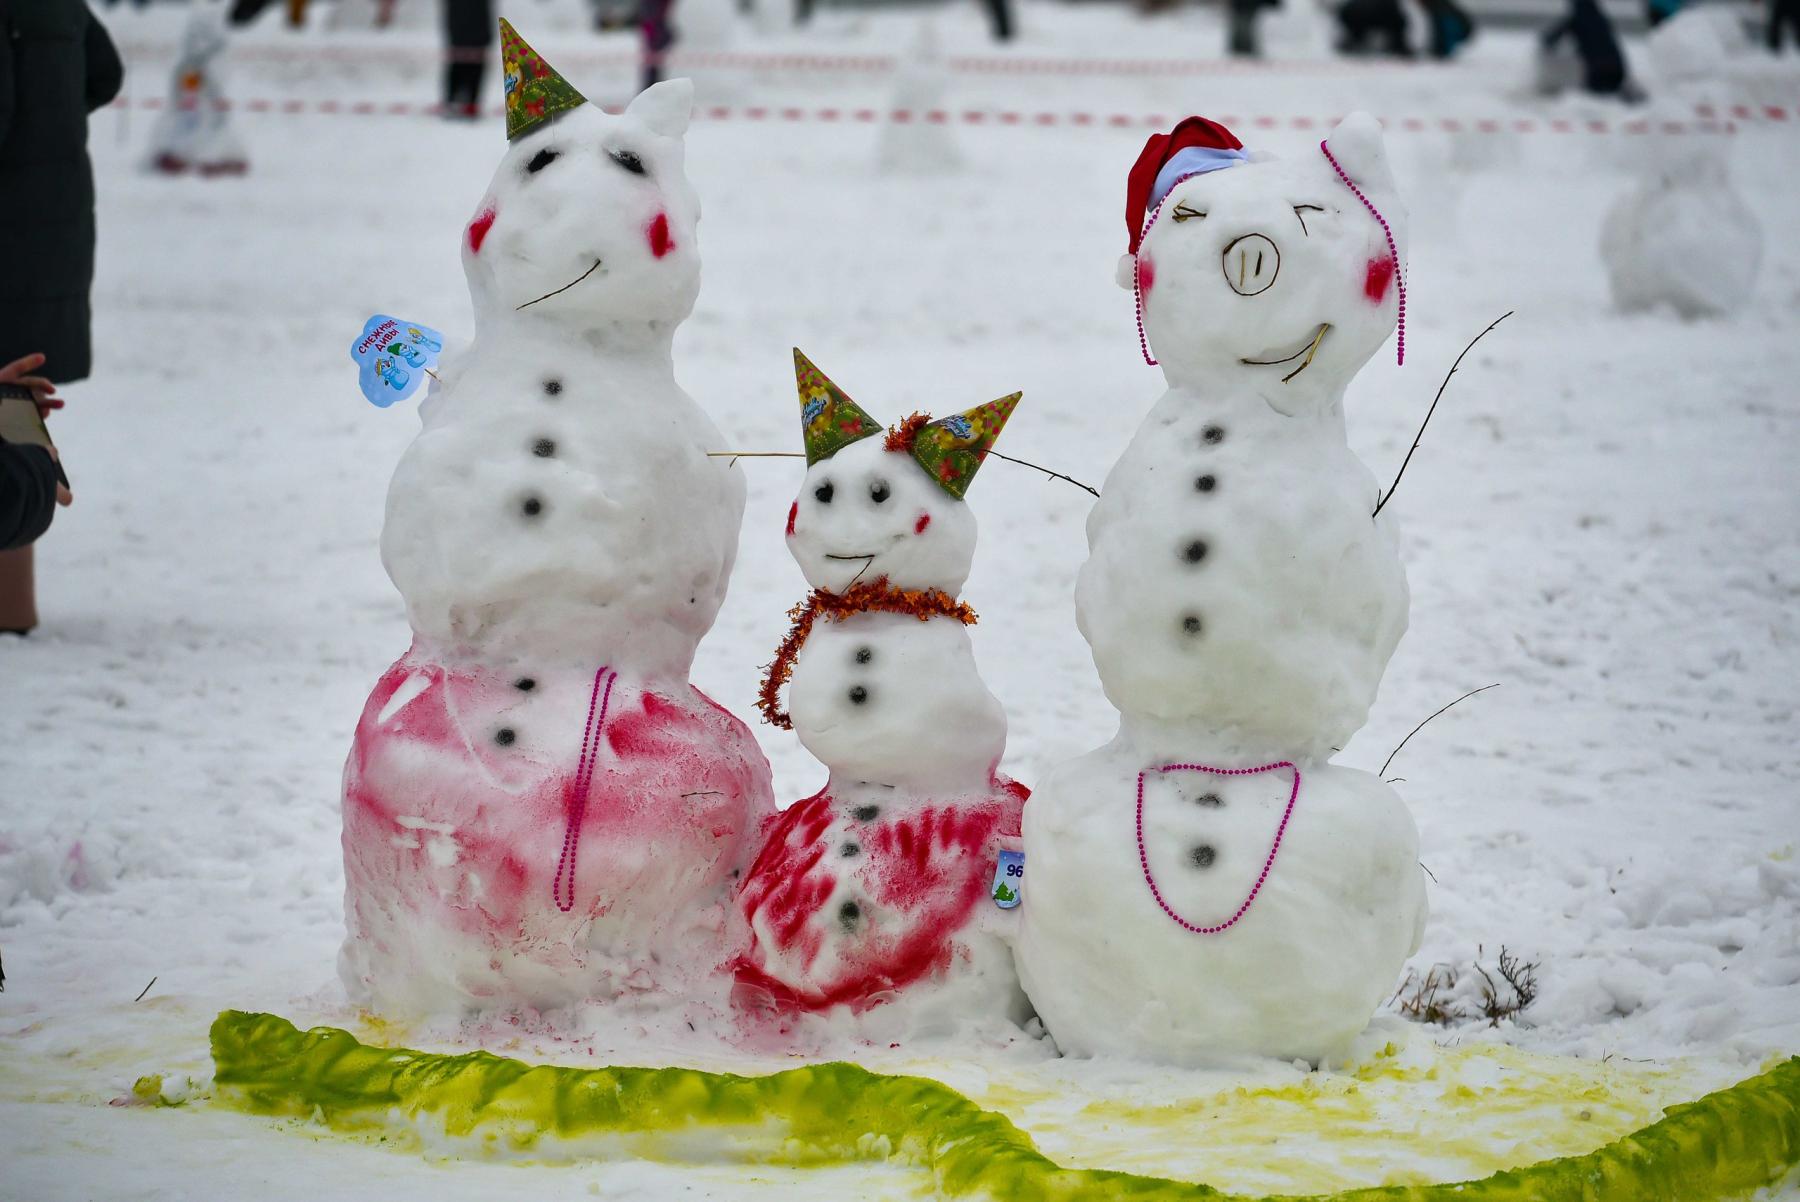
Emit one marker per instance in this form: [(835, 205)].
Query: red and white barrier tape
[(678, 60), (1707, 119)]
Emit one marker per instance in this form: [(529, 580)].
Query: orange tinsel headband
[(878, 596)]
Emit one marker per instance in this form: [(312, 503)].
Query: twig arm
[(1389, 495)]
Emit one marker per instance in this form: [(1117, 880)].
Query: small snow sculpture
[(876, 890)]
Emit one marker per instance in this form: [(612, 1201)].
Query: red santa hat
[(1142, 192)]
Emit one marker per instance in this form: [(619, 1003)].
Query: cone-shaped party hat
[(952, 448), (535, 91), (829, 420)]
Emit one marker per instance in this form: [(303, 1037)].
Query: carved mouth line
[(1309, 350), (584, 275)]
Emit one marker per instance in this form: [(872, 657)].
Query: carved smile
[(1309, 350), (584, 275)]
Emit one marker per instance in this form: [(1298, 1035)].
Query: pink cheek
[(1376, 280), (924, 521), (657, 234), (793, 513), (1146, 274), (478, 230)]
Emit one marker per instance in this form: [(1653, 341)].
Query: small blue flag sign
[(394, 357), (1009, 879)]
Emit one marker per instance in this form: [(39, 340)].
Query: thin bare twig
[(1421, 726), (756, 454), (140, 997), (1389, 495), (1046, 471)]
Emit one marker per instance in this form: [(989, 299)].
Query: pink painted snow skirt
[(480, 875), (852, 901)]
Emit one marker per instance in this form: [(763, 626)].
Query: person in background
[(1450, 24), (659, 37), (1381, 22), (1602, 58), (57, 65), (1240, 27), (29, 488), (469, 28), (1784, 14)]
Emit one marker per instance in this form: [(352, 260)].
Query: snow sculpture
[(1209, 883), (539, 809), (194, 132), (1682, 236), (875, 891)]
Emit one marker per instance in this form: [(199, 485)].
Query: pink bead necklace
[(1280, 831), (576, 795)]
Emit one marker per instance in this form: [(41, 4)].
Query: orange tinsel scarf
[(878, 596)]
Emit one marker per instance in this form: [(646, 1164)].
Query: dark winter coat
[(27, 494), (470, 23), (56, 66)]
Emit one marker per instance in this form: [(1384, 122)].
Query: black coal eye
[(823, 493), (878, 491), (542, 159), (629, 160)]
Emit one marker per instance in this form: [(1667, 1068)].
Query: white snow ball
[(590, 219), (868, 512), (1274, 265), (1683, 237)]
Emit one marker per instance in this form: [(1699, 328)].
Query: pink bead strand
[(577, 794), (1263, 876), (1399, 277)]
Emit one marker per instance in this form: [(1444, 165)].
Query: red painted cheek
[(478, 230), (1379, 275), (924, 521), (1146, 274), (658, 236), (793, 513)]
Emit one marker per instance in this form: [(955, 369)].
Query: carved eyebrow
[(1183, 212), (1313, 208)]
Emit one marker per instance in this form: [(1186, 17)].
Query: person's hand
[(64, 497), (42, 390)]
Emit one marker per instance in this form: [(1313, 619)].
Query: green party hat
[(829, 420), (535, 91), (952, 448)]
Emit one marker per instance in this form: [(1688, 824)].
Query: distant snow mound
[(1684, 238), (1697, 43), (920, 142)]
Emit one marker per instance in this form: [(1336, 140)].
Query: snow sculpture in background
[(1682, 236), (194, 132), (920, 145), (1209, 883), (875, 891), (539, 809)]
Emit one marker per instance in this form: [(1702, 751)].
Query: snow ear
[(665, 107), (1125, 275), (1358, 147)]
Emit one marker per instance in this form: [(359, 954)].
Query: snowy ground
[(1602, 519)]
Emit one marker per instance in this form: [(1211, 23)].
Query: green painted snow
[(1723, 1146)]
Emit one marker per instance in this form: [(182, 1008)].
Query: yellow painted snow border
[(1723, 1146)]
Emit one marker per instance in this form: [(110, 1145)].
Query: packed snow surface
[(1600, 518)]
